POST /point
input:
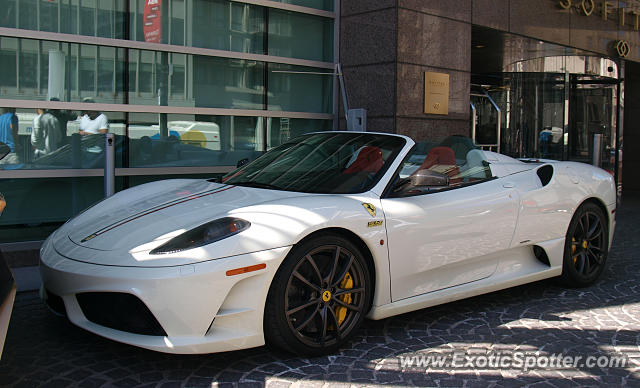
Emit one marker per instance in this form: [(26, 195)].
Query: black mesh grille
[(119, 311), (55, 303)]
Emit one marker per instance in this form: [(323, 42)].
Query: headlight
[(204, 234)]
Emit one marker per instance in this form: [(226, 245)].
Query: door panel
[(441, 239)]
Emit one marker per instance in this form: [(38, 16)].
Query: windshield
[(328, 163)]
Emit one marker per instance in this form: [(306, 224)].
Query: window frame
[(388, 190)]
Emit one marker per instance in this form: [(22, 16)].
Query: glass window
[(9, 13), (79, 71), (213, 24), (290, 89), (225, 25), (301, 36), (432, 167), (228, 83), (282, 129), (193, 140), (96, 72), (143, 139), (39, 202), (328, 163), (326, 5), (87, 71), (536, 128), (52, 139)]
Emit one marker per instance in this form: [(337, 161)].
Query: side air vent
[(545, 173), (541, 255)]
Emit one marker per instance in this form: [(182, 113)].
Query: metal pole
[(597, 149), (474, 119), (109, 165), (344, 93)]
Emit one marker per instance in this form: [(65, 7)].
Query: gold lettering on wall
[(566, 4), (436, 93), (606, 9), (588, 6), (625, 13)]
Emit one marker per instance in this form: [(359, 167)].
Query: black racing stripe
[(153, 210), (159, 206)]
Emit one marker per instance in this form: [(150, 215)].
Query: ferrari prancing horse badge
[(370, 208)]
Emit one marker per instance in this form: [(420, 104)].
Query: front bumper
[(201, 309)]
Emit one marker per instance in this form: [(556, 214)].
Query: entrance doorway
[(549, 115), (593, 121)]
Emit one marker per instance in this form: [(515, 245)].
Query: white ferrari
[(296, 248)]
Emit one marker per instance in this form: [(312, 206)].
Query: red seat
[(439, 155), (369, 160), (443, 160)]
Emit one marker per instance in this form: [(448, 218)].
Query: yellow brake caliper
[(341, 311), (574, 248)]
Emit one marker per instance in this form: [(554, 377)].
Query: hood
[(158, 211)]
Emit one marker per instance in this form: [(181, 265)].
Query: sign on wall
[(152, 19), (436, 93)]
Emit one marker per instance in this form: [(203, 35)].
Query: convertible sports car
[(296, 248)]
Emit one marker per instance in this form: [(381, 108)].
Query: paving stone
[(604, 319)]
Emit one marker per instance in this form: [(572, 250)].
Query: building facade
[(189, 88), (535, 79)]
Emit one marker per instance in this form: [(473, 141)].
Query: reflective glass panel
[(39, 202), (326, 5), (193, 140), (59, 139), (302, 36), (300, 89), (42, 70), (213, 24), (281, 129)]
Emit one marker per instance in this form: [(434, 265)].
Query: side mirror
[(429, 178), (242, 162), (4, 150)]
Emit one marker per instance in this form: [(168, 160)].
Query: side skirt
[(518, 266)]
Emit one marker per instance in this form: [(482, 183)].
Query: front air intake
[(55, 303), (119, 311)]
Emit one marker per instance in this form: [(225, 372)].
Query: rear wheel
[(318, 297), (586, 246)]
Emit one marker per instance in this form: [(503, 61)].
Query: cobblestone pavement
[(604, 319)]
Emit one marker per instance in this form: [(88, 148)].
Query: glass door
[(486, 120), (592, 124)]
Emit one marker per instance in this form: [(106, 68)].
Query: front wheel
[(586, 246), (318, 297)]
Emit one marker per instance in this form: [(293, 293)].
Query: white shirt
[(94, 126), (45, 136)]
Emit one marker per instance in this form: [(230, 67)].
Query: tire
[(316, 303), (586, 246)]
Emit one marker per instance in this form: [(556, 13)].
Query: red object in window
[(369, 160), (152, 21), (439, 155)]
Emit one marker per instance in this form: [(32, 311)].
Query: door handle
[(508, 185)]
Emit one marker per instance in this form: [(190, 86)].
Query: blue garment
[(6, 135)]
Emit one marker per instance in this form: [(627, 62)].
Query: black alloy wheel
[(586, 246), (319, 297)]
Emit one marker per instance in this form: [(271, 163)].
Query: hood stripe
[(153, 210)]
